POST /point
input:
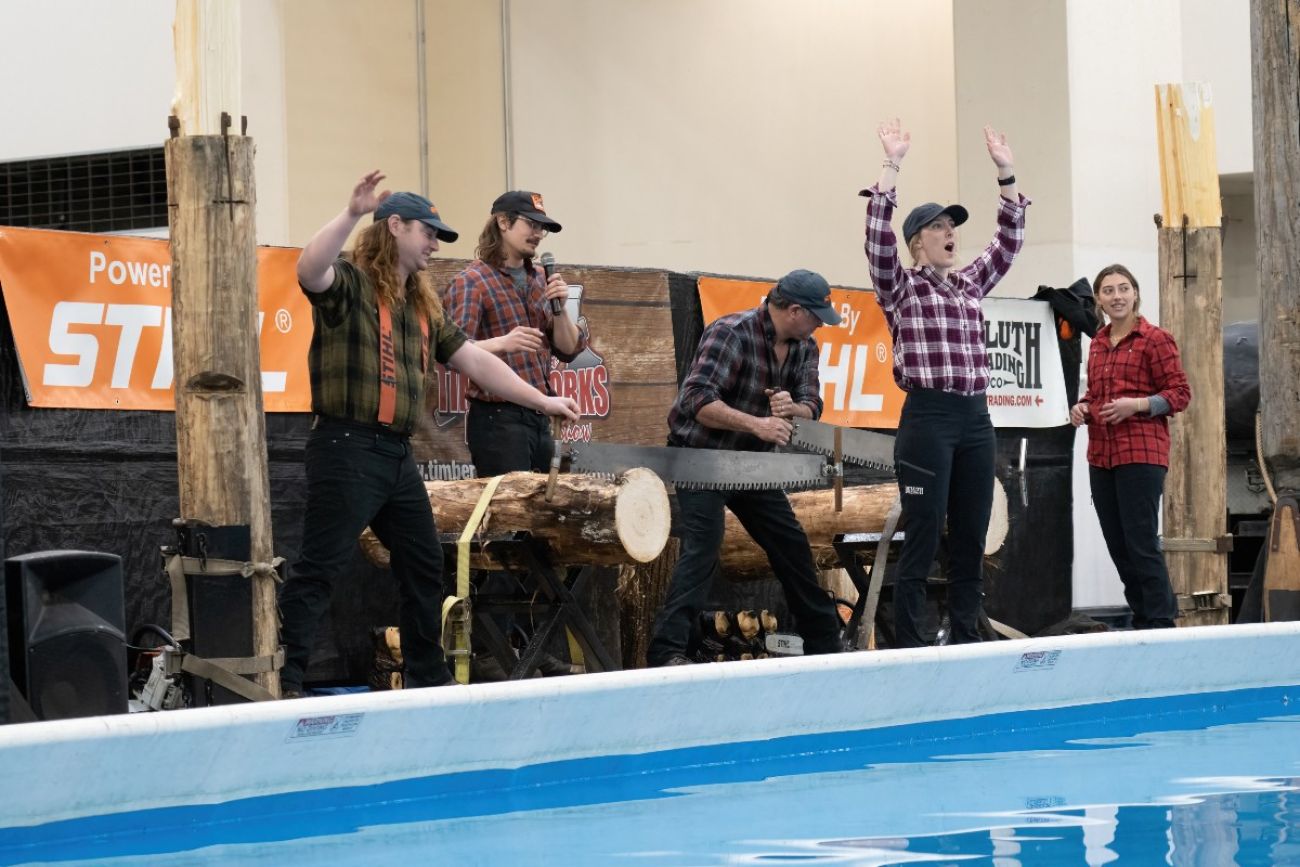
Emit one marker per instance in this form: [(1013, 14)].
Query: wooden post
[(1191, 308), (1275, 103), (220, 426)]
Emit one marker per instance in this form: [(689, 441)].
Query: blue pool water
[(1172, 781)]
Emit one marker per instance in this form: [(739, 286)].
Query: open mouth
[(949, 247)]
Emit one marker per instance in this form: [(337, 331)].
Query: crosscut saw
[(862, 447), (841, 444), (705, 469)]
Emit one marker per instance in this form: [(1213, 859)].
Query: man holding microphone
[(515, 310)]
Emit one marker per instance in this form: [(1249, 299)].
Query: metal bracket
[(1205, 600), (1217, 545)]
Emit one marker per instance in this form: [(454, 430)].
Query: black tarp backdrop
[(101, 480), (1029, 582)]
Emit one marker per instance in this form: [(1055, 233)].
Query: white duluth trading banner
[(1026, 382)]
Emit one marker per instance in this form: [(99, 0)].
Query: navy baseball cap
[(810, 291), (924, 215), (525, 204), (413, 206)]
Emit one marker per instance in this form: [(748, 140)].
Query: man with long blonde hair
[(377, 325)]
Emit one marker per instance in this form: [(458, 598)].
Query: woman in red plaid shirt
[(1135, 381)]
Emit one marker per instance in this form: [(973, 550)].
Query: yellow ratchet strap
[(460, 626)]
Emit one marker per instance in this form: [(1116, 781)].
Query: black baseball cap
[(923, 215), (525, 204), (413, 206), (810, 291)]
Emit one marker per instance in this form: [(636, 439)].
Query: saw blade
[(704, 469), (862, 447)]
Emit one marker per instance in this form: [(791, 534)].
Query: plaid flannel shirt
[(343, 361), (735, 363), (1144, 364), (938, 325), (485, 302)]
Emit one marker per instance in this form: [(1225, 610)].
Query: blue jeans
[(359, 475), (769, 520)]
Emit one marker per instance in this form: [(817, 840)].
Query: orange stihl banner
[(856, 369), (1026, 380), (91, 317)]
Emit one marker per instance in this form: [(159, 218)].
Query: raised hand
[(364, 197), (894, 140), (999, 150)]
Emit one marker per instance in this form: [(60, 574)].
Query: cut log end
[(641, 515)]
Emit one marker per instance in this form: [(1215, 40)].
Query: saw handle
[(839, 470), (555, 459)]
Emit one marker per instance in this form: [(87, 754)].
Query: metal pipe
[(422, 96), (507, 107)]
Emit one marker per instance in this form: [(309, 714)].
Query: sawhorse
[(521, 553)]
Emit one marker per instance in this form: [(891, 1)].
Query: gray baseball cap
[(810, 291), (924, 215), (413, 206)]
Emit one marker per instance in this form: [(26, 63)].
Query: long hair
[(376, 254), (1127, 275), (492, 247)]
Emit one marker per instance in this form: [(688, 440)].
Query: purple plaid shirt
[(735, 363), (938, 325)]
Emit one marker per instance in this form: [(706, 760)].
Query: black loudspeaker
[(67, 625)]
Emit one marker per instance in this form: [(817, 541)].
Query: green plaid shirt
[(344, 355)]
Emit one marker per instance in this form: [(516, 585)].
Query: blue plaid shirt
[(735, 363)]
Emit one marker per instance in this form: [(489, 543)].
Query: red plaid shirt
[(1145, 363), (485, 303)]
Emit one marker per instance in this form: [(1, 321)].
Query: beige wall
[(466, 120), (1023, 90), (728, 135), (263, 95), (350, 97)]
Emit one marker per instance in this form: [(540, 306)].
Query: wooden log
[(220, 425), (1275, 73), (206, 38), (1191, 308), (589, 521), (865, 510)]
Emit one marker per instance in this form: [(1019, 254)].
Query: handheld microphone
[(548, 268)]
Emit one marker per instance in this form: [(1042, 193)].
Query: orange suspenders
[(388, 363)]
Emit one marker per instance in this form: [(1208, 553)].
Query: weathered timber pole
[(220, 426), (1275, 103), (1191, 308)]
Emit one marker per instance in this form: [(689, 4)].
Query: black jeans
[(506, 438), (944, 453), (359, 475), (769, 520), (1127, 500)]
